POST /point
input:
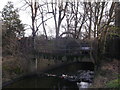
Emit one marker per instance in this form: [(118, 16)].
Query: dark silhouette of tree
[(13, 28), (59, 9)]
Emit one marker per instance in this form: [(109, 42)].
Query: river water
[(76, 75)]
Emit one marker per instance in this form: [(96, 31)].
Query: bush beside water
[(113, 83)]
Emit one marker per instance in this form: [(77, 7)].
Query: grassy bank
[(107, 75), (14, 66)]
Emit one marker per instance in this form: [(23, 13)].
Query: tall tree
[(34, 6), (58, 11), (117, 13), (37, 17), (13, 28), (75, 18)]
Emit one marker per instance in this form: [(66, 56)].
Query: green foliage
[(13, 25), (12, 29), (113, 83)]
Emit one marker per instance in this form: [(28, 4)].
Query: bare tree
[(111, 15), (37, 20), (75, 18), (43, 23), (37, 17), (34, 6), (58, 9)]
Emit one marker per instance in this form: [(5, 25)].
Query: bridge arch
[(67, 33)]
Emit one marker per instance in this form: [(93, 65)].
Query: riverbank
[(61, 77), (11, 74), (107, 75), (14, 68), (17, 66)]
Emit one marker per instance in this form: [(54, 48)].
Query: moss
[(113, 83)]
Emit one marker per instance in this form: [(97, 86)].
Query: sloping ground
[(13, 67), (107, 74)]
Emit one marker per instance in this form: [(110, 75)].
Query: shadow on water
[(63, 77), (72, 68)]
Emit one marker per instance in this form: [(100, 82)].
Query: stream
[(76, 75)]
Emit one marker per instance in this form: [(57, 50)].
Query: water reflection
[(63, 78), (83, 78)]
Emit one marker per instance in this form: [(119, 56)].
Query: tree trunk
[(90, 21), (44, 27)]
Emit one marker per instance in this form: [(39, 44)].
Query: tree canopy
[(12, 27)]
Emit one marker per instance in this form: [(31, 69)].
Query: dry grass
[(108, 72), (9, 64), (13, 67), (112, 66)]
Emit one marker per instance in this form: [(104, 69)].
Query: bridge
[(64, 49)]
